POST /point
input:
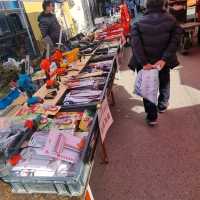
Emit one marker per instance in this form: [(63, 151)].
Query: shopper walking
[(155, 40), (49, 24)]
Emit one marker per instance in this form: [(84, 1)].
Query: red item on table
[(125, 18), (60, 71), (57, 56), (113, 27), (28, 124), (45, 64), (50, 83), (15, 159)]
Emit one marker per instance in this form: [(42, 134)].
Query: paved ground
[(161, 163)]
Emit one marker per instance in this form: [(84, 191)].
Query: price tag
[(105, 119)]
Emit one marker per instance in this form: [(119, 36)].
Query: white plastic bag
[(147, 84)]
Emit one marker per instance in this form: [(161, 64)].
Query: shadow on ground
[(159, 163)]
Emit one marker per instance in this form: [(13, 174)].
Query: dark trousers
[(164, 94), (198, 36)]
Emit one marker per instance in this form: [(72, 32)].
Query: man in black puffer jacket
[(155, 40), (49, 24)]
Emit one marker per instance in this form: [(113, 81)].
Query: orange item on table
[(72, 55)]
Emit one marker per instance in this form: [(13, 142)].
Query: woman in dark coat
[(155, 40), (48, 23)]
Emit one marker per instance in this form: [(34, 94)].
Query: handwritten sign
[(105, 119)]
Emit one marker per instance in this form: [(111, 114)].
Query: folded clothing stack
[(82, 96), (63, 146), (58, 151), (98, 58), (102, 65), (87, 83), (54, 153), (67, 120), (77, 123), (33, 164), (9, 131), (104, 51), (90, 69), (111, 44)]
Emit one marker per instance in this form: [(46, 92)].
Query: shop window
[(4, 27)]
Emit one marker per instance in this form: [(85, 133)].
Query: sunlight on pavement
[(181, 95)]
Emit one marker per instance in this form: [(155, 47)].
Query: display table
[(77, 67), (42, 92), (77, 185)]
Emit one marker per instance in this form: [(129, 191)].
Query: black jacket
[(49, 26), (155, 36)]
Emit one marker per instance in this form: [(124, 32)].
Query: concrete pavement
[(161, 163)]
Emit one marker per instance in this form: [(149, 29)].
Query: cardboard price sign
[(105, 119)]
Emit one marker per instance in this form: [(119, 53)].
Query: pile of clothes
[(57, 151), (88, 86), (9, 131), (82, 96)]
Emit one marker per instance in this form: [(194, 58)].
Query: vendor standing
[(49, 24), (155, 40)]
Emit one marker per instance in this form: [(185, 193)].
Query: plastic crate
[(18, 187), (33, 188), (73, 186), (67, 186)]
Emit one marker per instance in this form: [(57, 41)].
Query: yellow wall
[(33, 9), (70, 22)]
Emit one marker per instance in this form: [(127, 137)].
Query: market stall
[(49, 147)]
